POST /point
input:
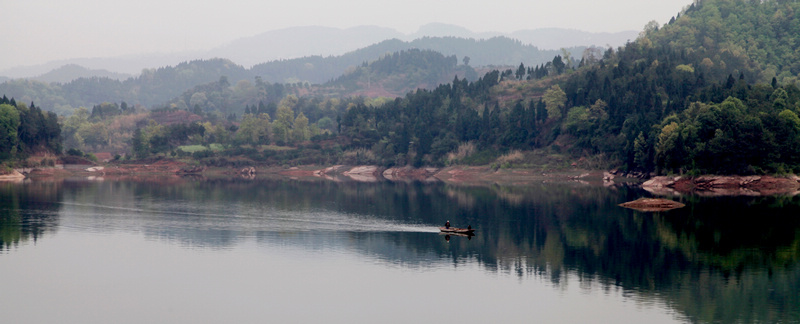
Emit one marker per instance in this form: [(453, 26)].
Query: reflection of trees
[(744, 257), (716, 260), (28, 211), (10, 227)]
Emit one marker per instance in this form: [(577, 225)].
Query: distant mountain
[(132, 64), (500, 51), (446, 30), (296, 42), (154, 87), (300, 42), (555, 38), (71, 72), (396, 74)]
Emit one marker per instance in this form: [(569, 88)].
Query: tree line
[(662, 103), (26, 130)]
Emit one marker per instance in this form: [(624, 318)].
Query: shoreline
[(729, 185), (706, 185), (466, 175)]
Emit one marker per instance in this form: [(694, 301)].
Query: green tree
[(30, 125), (666, 147), (139, 144), (72, 139), (254, 130), (105, 110), (567, 57), (94, 134), (284, 120), (198, 99), (520, 74), (555, 99), (325, 123), (597, 112), (558, 65), (9, 123), (300, 131)]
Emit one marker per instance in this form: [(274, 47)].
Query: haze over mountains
[(298, 42), (712, 91), (304, 41)]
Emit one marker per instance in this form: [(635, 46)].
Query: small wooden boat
[(456, 230)]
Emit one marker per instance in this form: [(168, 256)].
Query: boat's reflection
[(447, 235)]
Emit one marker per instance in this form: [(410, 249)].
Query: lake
[(185, 250)]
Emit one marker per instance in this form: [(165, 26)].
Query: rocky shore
[(13, 176), (469, 175), (466, 175), (652, 204), (711, 185)]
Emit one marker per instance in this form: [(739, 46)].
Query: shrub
[(5, 169), (192, 148), (202, 154), (511, 157), (358, 156), (75, 152), (464, 151), (483, 157)]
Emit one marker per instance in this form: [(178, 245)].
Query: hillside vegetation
[(27, 130), (685, 97), (713, 91), (681, 98)]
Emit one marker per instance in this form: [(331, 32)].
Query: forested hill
[(154, 87), (697, 95), (763, 32), (713, 91), (69, 72), (392, 75), (501, 51)]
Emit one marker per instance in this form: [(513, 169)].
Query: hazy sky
[(38, 31)]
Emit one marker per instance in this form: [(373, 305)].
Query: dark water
[(284, 251)]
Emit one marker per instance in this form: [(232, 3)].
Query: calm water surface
[(285, 251)]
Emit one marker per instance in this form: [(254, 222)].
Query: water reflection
[(447, 236), (27, 212), (716, 260)]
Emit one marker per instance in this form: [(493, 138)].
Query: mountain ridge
[(154, 87), (69, 72), (277, 46)]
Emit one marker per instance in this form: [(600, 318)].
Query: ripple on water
[(100, 218)]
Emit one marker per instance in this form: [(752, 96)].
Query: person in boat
[(469, 227), (447, 225)]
